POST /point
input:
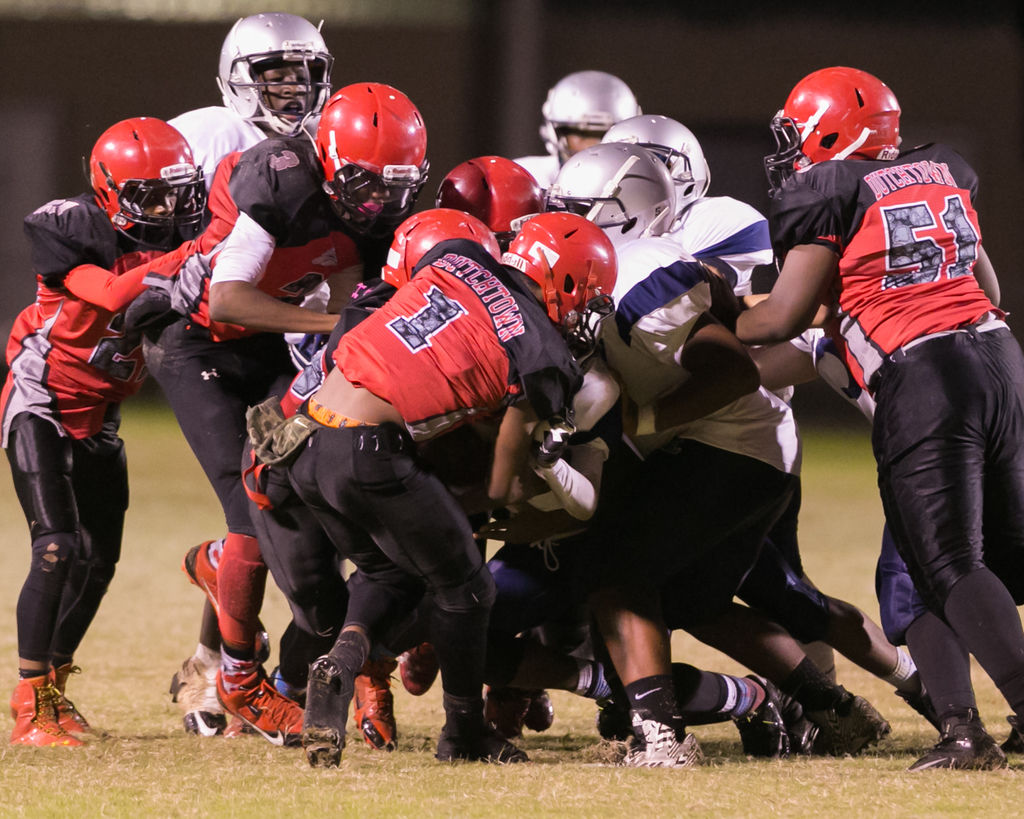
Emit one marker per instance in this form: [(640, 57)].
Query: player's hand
[(550, 438)]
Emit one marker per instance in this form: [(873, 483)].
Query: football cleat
[(69, 717), (201, 573), (763, 731), (36, 719), (505, 710), (1015, 742), (849, 727), (540, 714), (237, 728), (466, 736), (328, 694), (256, 702), (373, 709), (418, 668), (194, 688), (487, 746), (613, 721), (292, 692), (963, 745), (660, 748)]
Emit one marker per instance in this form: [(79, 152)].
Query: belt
[(986, 324), (329, 418)]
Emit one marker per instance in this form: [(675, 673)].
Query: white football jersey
[(213, 133), (543, 168), (659, 295), (728, 229)]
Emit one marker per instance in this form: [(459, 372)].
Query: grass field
[(147, 766)]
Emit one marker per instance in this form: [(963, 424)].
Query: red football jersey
[(907, 235), (69, 359), (278, 184), (460, 341)]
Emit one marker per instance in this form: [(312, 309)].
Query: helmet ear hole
[(829, 140), (568, 285)]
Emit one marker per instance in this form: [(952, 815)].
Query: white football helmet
[(624, 189), (675, 145), (294, 53), (584, 101)]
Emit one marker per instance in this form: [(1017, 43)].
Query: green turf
[(148, 767)]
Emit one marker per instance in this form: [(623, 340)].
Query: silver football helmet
[(584, 101), (624, 189), (675, 145), (275, 70)]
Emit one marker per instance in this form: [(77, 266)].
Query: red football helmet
[(145, 178), (496, 190), (834, 113), (372, 144), (420, 232), (574, 263)]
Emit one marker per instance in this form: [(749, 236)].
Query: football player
[(307, 567), (287, 216), (578, 110), (72, 363), (462, 339), (495, 190), (699, 398), (891, 241), (725, 229), (274, 75)]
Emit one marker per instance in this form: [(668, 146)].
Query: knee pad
[(53, 553), (477, 592)]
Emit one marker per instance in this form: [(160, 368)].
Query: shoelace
[(547, 547), (47, 710)]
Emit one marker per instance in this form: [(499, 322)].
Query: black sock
[(943, 663), (705, 697), (811, 688), (654, 698), (984, 616)]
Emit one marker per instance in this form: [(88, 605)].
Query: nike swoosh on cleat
[(274, 738), (210, 596), (942, 763), (646, 693)]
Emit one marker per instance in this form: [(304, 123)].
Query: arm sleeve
[(113, 292), (245, 254), (575, 492)]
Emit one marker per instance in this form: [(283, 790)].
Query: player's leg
[(41, 466), (933, 478), (100, 480)]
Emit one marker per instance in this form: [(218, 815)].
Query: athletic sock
[(705, 696), (235, 670), (904, 676), (207, 656), (983, 614), (654, 699), (591, 682), (943, 664)]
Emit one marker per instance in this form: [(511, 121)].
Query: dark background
[(479, 77)]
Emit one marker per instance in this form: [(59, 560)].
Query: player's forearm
[(243, 304)]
